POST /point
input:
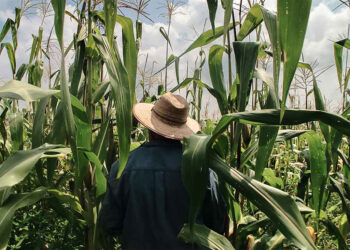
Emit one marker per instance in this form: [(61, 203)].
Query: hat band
[(168, 120)]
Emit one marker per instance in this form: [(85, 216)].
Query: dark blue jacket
[(148, 205)]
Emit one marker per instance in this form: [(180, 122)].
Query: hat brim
[(143, 113)]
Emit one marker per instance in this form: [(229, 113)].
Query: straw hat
[(168, 117)]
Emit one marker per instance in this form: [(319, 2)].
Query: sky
[(326, 25)]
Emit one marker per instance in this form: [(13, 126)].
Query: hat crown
[(172, 109)]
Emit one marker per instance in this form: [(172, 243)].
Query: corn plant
[(70, 136)]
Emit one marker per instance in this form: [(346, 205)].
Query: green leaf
[(9, 22), (292, 117), (16, 130), (65, 198), (253, 20), (318, 99), (267, 137), (4, 194), (10, 54), (246, 54), (100, 179), (8, 209), (59, 8), (19, 90), (110, 12), (276, 204), (18, 165), (333, 230), (217, 76), (38, 123), (270, 21), (204, 238), (21, 71), (318, 166), (99, 92), (121, 93), (292, 19), (165, 35), (195, 173), (338, 57), (100, 144), (212, 7), (129, 53), (227, 5)]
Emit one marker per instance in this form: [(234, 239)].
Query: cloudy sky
[(326, 25)]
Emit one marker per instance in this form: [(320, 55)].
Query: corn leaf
[(338, 57), (227, 5), (8, 209), (194, 173), (10, 54), (110, 11), (253, 20), (129, 53), (121, 93), (204, 238), (18, 165), (165, 35), (59, 8), (217, 76), (16, 130), (9, 22), (212, 7), (332, 229), (246, 54), (292, 19), (292, 117), (318, 166), (23, 91), (276, 204)]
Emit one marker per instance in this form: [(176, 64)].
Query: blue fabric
[(148, 205)]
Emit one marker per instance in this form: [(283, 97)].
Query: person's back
[(149, 205)]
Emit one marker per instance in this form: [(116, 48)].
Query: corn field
[(283, 171)]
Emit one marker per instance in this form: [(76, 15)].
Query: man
[(148, 205)]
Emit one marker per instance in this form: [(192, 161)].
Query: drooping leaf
[(338, 57), (276, 204), (8, 209), (204, 238), (11, 55), (121, 93), (18, 165), (217, 76), (24, 91), (165, 35), (9, 22), (212, 7), (292, 19), (292, 117), (252, 20)]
